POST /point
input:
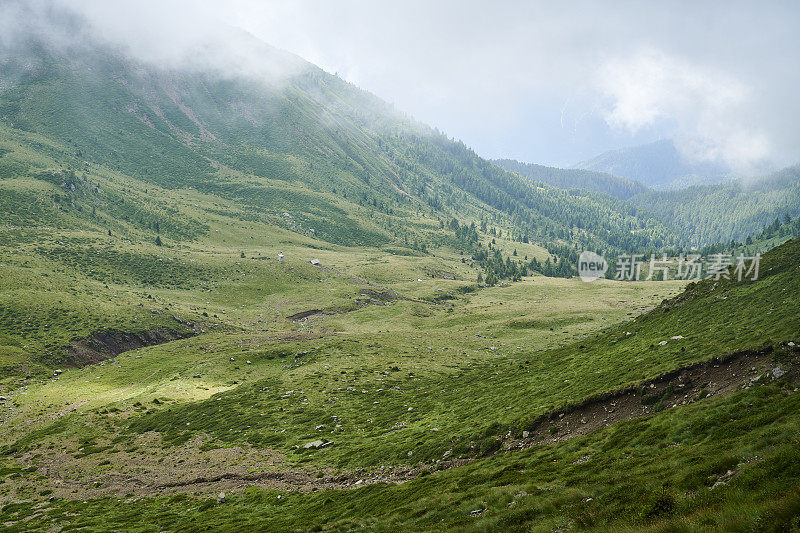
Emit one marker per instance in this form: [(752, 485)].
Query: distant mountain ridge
[(565, 178), (734, 210), (658, 165), (700, 215)]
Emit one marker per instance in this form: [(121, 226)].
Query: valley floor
[(383, 391)]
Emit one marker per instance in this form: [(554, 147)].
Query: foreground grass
[(721, 464)]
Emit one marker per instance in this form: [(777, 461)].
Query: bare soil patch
[(682, 386), (109, 343)]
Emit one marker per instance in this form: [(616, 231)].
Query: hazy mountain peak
[(659, 165)]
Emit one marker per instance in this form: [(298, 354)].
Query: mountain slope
[(621, 188), (704, 215), (236, 137), (131, 192)]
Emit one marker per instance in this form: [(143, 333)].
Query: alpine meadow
[(239, 292)]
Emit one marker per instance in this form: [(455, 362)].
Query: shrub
[(660, 504), (487, 446)]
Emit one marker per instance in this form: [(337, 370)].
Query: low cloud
[(169, 34), (713, 112), (538, 81)]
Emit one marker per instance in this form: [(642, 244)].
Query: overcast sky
[(547, 82)]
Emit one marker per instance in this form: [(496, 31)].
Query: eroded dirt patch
[(367, 297), (719, 376), (110, 343), (304, 314)]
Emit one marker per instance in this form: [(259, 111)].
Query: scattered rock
[(790, 343), (316, 444), (777, 372), (476, 512), (662, 343), (677, 337), (221, 497), (723, 479), (525, 434)]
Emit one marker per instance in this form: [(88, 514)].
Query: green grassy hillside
[(302, 144)]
